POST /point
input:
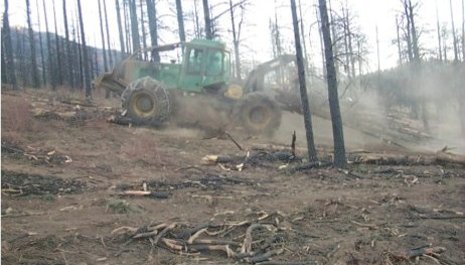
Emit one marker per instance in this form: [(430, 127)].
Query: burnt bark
[(208, 21), (110, 56), (34, 72), (180, 17), (59, 68), (120, 27), (68, 57), (85, 57), (338, 135), (236, 39), (312, 155), (134, 26), (142, 26), (153, 27), (102, 35), (50, 69), (454, 35), (8, 49)]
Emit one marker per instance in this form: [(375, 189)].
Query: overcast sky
[(256, 34)]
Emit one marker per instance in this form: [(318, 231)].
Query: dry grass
[(16, 118)]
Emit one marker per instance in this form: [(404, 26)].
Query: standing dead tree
[(180, 17), (153, 27), (454, 34), (85, 57), (58, 54), (7, 49), (68, 57), (120, 27), (134, 26), (236, 32), (102, 35), (312, 155), (35, 74), (51, 69), (142, 26), (338, 135), (110, 56), (207, 20)]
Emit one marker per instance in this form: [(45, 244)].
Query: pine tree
[(35, 74), (85, 57)]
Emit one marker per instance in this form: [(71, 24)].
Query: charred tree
[(41, 49), (142, 26), (399, 49), (197, 29), (110, 56), (134, 26), (438, 28), (8, 49), (68, 57), (153, 27), (102, 35), (208, 22), (338, 135), (120, 27), (34, 72), (454, 35), (85, 57), (59, 69), (312, 155), (236, 38), (51, 69), (127, 26), (415, 45), (180, 17)]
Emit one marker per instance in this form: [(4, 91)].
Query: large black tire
[(147, 102), (258, 114)]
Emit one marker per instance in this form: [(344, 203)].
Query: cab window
[(214, 65), (194, 65)]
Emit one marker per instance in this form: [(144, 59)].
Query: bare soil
[(64, 169)]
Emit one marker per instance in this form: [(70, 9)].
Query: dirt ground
[(65, 169)]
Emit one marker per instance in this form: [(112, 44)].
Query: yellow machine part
[(234, 91)]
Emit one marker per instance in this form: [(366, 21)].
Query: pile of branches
[(37, 155), (252, 241)]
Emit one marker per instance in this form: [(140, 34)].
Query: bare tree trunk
[(196, 19), (180, 16), (51, 69), (127, 26), (134, 26), (120, 26), (454, 35), (338, 135), (408, 37), (323, 59), (302, 32), (8, 48), (377, 50), (68, 57), (42, 57), (312, 155), (236, 36), (35, 74), (102, 35), (142, 26), (110, 56), (208, 22), (399, 49), (59, 69), (153, 27), (463, 34), (85, 57), (415, 46), (439, 34)]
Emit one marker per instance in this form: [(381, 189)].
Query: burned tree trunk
[(68, 57), (142, 26), (85, 57), (110, 56), (120, 26), (102, 35), (134, 26), (127, 27), (438, 28), (180, 17), (8, 48), (454, 35), (35, 74), (152, 15), (338, 135), (59, 69), (208, 22), (312, 156), (236, 37), (415, 46), (51, 69)]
